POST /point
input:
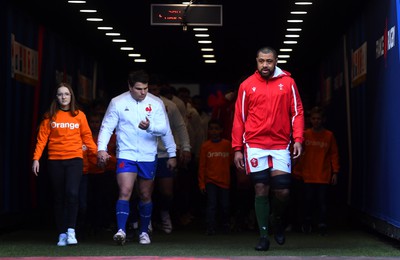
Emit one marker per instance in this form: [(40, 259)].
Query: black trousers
[(316, 194), (65, 177)]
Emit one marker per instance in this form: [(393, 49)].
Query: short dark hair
[(138, 76), (317, 110), (214, 121), (267, 49)]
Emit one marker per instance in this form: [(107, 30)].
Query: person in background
[(268, 114), (201, 107), (214, 176), (318, 167), (187, 182), (138, 119), (242, 191), (96, 187), (64, 130), (165, 174)]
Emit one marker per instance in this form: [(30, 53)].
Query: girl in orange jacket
[(64, 129)]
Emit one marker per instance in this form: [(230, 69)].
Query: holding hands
[(102, 158)]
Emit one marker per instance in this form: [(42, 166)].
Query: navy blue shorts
[(162, 169)]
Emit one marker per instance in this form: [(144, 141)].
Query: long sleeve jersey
[(179, 132), (320, 158), (214, 163), (177, 124), (124, 115), (166, 146), (268, 112), (64, 136)]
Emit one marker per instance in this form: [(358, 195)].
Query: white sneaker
[(62, 239), (166, 223), (144, 239), (71, 238), (120, 237)]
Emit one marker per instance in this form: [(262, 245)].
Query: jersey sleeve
[(42, 138), (239, 120), (86, 134), (159, 122), (109, 123), (297, 114)]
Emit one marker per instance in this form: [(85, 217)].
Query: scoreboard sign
[(193, 15)]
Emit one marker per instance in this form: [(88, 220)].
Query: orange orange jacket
[(320, 158), (64, 137), (214, 163)]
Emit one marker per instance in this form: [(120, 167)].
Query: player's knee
[(281, 182)]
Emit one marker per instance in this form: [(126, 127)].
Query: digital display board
[(178, 14)]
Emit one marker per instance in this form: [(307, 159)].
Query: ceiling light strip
[(140, 60), (303, 3), (88, 11), (104, 28), (94, 19), (293, 29)]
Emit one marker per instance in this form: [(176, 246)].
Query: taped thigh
[(282, 181)]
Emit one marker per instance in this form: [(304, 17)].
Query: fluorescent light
[(76, 2), (119, 40), (208, 56), (134, 55), (94, 19), (294, 21), (290, 42), (292, 36), (293, 29), (104, 28), (285, 50), (298, 12), (283, 56), (126, 48), (113, 34), (210, 61), (139, 60), (282, 61), (88, 11), (200, 29), (202, 35), (207, 49), (205, 42), (303, 3)]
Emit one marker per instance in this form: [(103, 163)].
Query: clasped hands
[(102, 158)]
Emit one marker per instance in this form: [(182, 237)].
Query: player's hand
[(144, 124), (171, 163), (184, 157), (297, 150), (334, 179), (35, 167), (238, 160), (102, 158)]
